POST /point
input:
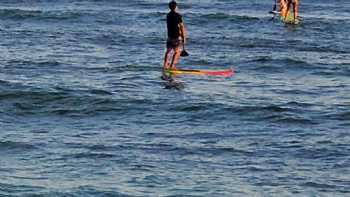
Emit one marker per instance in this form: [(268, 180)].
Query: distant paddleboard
[(222, 73), (288, 20)]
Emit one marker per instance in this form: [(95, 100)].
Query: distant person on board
[(285, 8), (176, 36)]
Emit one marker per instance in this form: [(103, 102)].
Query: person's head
[(172, 5)]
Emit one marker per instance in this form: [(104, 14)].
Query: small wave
[(315, 22), (259, 43), (83, 190), (19, 190), (15, 146), (263, 59), (216, 150), (268, 64), (323, 153), (295, 62), (224, 150), (222, 16), (61, 101), (89, 155), (319, 185), (87, 190), (202, 136), (293, 92), (100, 92), (158, 16), (21, 14), (201, 62), (265, 109), (298, 104), (284, 113), (34, 96), (341, 116), (292, 119), (96, 147), (195, 18), (324, 48), (101, 147), (20, 64), (192, 108)]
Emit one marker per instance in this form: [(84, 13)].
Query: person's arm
[(182, 32)]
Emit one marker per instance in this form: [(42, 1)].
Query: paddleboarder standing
[(285, 7), (176, 36)]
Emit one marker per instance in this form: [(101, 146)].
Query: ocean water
[(83, 111)]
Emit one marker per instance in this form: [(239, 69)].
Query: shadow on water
[(170, 82)]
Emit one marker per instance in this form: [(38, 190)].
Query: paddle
[(273, 11), (275, 6)]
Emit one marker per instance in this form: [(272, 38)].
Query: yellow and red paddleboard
[(222, 73)]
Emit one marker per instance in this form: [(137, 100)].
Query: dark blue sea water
[(83, 111)]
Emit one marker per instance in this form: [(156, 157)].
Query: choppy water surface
[(83, 111)]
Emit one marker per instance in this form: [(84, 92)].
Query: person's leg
[(176, 56), (166, 58), (289, 2), (166, 64), (283, 8), (295, 9)]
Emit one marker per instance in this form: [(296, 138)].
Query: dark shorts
[(173, 43)]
